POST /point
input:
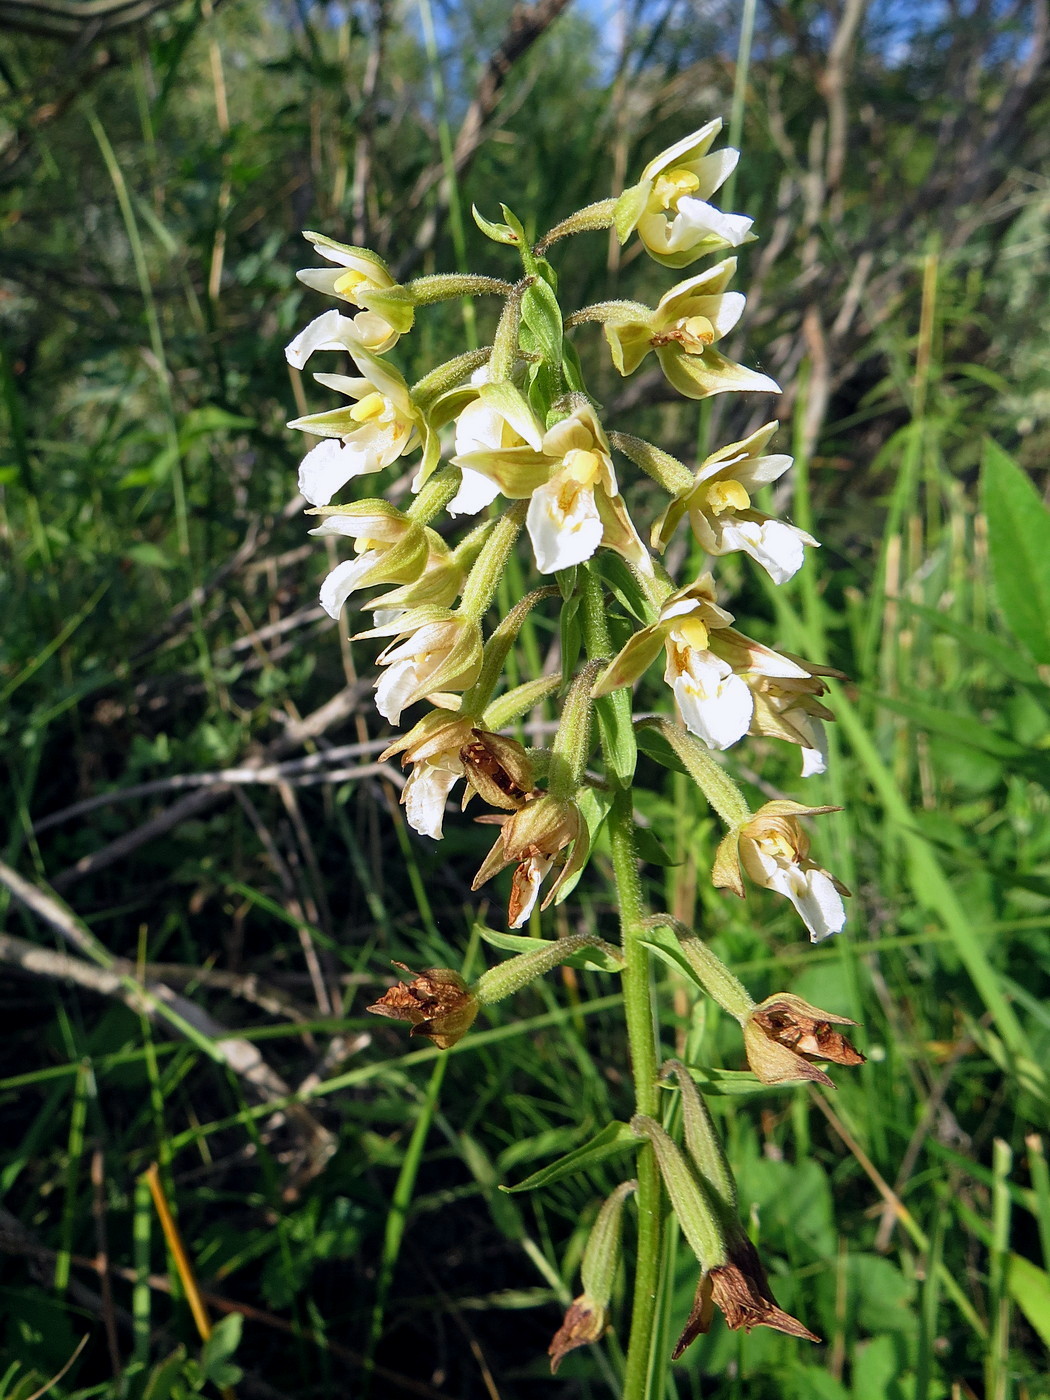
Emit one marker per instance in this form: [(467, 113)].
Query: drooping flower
[(533, 838), (587, 1318), (721, 514), (566, 474), (363, 279), (740, 1289), (710, 665), (434, 652), (774, 851), (669, 205), (444, 747), (682, 330), (392, 548), (784, 1034), (438, 1003), (790, 709), (381, 425)]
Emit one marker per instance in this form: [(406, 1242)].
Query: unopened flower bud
[(783, 1034), (437, 1002)]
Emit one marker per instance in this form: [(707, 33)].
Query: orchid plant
[(511, 434)]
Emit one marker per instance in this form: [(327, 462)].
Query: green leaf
[(220, 1346), (1001, 654), (162, 1378), (522, 943), (616, 574), (651, 848), (571, 638), (962, 728), (1019, 546), (1030, 1289), (617, 731), (613, 1140)]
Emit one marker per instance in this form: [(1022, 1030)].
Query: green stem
[(641, 1037)]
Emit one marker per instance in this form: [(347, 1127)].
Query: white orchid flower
[(721, 514), (361, 278), (669, 205), (381, 425)]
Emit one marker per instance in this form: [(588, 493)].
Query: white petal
[(479, 428), (561, 538), (716, 705), (328, 332), (679, 152), (776, 546), (342, 581), (327, 467), (818, 902), (320, 279), (696, 220), (424, 798), (814, 761), (476, 491), (394, 687), (713, 170)]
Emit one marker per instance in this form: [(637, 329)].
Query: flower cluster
[(515, 423), (510, 434)]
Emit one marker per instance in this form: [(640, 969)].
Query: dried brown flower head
[(585, 1322), (437, 1002), (498, 770), (783, 1034), (740, 1289)]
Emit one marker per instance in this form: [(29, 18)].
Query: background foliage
[(192, 804)]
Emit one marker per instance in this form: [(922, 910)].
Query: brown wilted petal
[(498, 769), (741, 1290), (807, 1030), (699, 1319), (585, 1322), (437, 1002)]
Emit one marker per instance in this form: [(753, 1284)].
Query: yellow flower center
[(671, 185), (726, 495), (348, 284), (693, 633), (368, 409), (583, 467), (694, 334)]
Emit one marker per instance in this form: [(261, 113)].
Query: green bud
[(572, 743)]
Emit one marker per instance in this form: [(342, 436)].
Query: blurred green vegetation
[(161, 632)]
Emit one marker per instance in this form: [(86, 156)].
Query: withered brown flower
[(498, 770), (437, 1002), (783, 1034), (585, 1322), (740, 1289)]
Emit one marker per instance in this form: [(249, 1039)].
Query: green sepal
[(629, 209), (499, 233), (613, 1141), (395, 304)]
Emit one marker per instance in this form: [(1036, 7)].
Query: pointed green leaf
[(613, 1140), (1019, 546)]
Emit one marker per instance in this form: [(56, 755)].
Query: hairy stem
[(641, 1028), (642, 1041)]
